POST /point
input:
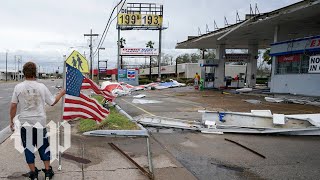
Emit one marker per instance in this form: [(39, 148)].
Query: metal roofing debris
[(274, 100), (168, 122), (261, 122), (315, 101), (143, 101), (252, 101), (118, 133), (140, 96), (244, 90)]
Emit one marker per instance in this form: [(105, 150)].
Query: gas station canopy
[(294, 21)]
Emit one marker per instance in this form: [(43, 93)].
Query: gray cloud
[(45, 30)]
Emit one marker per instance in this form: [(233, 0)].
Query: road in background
[(6, 90)]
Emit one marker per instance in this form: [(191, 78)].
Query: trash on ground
[(143, 101), (168, 84), (158, 121), (274, 100), (253, 101), (177, 83), (140, 96), (261, 122), (244, 90)]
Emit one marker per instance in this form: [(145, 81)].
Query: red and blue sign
[(131, 73)]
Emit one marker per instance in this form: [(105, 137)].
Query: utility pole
[(15, 67), (101, 48), (6, 65), (91, 58), (159, 56)]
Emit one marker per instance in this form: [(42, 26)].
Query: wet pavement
[(209, 156)]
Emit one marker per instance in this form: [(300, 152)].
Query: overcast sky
[(44, 30)]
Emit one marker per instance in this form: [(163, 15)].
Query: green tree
[(122, 42), (166, 60), (150, 44), (194, 57), (210, 54), (188, 58), (266, 57)]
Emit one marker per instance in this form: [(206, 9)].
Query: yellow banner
[(78, 61)]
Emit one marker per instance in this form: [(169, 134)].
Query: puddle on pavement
[(17, 175), (233, 168), (75, 158)]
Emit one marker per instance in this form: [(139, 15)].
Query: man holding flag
[(32, 97)]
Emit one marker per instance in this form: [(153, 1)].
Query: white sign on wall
[(139, 52), (314, 64)]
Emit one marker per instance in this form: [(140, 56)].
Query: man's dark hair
[(30, 70)]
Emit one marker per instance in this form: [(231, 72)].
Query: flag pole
[(59, 123)]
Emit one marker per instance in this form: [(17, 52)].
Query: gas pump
[(207, 72), (209, 77)]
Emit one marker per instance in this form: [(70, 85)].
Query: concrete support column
[(251, 75), (273, 64), (220, 70)]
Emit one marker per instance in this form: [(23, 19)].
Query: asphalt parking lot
[(209, 156)]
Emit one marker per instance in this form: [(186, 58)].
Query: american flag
[(89, 84), (78, 105)]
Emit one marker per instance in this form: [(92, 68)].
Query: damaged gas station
[(291, 32)]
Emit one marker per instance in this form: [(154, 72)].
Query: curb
[(121, 111), (5, 134)]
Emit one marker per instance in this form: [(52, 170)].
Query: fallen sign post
[(149, 174)]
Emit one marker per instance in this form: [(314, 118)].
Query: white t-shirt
[(31, 97)]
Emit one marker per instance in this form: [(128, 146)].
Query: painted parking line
[(139, 108)]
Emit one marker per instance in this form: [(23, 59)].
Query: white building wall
[(190, 70), (302, 84), (3, 75), (234, 70)]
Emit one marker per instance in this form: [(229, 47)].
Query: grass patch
[(115, 121), (180, 94), (87, 125), (99, 98)]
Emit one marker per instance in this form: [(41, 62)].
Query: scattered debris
[(158, 121), (255, 152), (160, 87), (168, 84), (274, 100), (253, 101), (177, 83), (244, 90), (145, 172), (260, 122), (140, 96), (143, 101)]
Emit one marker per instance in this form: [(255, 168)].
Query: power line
[(108, 24)]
